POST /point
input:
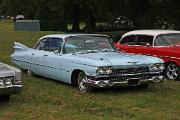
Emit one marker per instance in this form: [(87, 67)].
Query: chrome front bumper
[(9, 90), (108, 82)]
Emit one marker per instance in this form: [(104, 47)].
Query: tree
[(55, 14), (72, 14), (51, 13)]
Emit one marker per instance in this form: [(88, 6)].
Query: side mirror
[(56, 51), (147, 44)]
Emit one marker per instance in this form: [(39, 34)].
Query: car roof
[(150, 32), (69, 35)]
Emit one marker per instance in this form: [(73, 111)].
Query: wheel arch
[(74, 76), (168, 62)]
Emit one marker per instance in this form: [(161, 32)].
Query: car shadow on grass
[(152, 88)]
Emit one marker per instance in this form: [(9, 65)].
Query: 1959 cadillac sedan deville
[(88, 61), (10, 81), (164, 44)]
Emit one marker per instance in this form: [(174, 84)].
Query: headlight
[(100, 70), (1, 83), (108, 70), (104, 70), (157, 67), (7, 81)]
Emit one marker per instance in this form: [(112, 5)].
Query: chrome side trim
[(38, 64)]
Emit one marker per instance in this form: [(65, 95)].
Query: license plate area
[(133, 82)]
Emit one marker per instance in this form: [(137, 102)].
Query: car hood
[(5, 71), (116, 58)]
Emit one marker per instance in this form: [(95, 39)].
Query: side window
[(40, 44), (50, 44), (161, 41), (144, 39), (128, 40)]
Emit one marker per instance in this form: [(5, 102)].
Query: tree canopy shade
[(56, 14)]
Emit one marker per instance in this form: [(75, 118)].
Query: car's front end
[(134, 75), (10, 80), (120, 69)]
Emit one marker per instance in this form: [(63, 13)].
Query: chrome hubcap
[(172, 71), (29, 73), (82, 82)]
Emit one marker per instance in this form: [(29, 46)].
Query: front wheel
[(29, 73), (82, 83), (171, 71)]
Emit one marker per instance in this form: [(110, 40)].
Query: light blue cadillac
[(88, 61)]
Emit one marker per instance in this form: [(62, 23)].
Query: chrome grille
[(126, 78), (130, 70)]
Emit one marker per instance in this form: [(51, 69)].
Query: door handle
[(45, 55)]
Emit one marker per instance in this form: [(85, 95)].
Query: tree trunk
[(75, 27), (91, 25), (91, 19), (76, 20)]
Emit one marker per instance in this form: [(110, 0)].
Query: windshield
[(87, 43), (167, 39)]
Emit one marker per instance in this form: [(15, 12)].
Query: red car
[(164, 44)]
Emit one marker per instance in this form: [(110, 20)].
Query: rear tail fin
[(20, 47)]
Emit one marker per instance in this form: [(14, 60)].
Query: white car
[(10, 81)]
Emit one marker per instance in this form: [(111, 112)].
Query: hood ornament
[(135, 62)]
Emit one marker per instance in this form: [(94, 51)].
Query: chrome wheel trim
[(172, 71), (82, 82), (29, 73)]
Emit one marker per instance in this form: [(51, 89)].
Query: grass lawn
[(45, 99)]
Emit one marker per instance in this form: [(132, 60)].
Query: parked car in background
[(164, 44), (20, 17), (10, 81), (88, 61)]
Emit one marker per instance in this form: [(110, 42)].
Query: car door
[(143, 45), (53, 59), (37, 56)]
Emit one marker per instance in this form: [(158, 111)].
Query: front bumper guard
[(9, 90), (129, 82)]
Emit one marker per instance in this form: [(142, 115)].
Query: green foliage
[(56, 14), (116, 36), (50, 14)]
